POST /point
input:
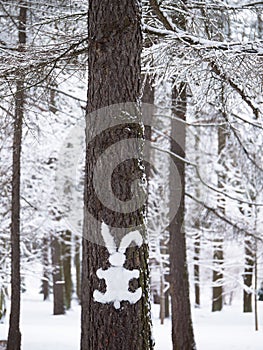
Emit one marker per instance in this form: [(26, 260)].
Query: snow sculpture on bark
[(117, 277)]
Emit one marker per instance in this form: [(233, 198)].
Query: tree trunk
[(46, 268), (77, 267), (162, 299), (255, 289), (182, 330), (167, 305), (2, 304), (248, 274), (116, 322), (196, 266), (148, 98), (197, 228), (217, 301), (58, 283), (66, 262), (218, 252), (14, 335)]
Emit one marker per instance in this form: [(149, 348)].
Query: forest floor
[(229, 329)]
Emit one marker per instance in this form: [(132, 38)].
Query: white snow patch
[(117, 278)]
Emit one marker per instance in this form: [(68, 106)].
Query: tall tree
[(14, 335), (112, 317), (182, 329)]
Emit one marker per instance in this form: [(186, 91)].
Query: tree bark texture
[(115, 43), (14, 334), (182, 329)]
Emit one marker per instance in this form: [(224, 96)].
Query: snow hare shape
[(117, 278)]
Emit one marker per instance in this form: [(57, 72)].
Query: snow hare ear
[(108, 239), (133, 236)]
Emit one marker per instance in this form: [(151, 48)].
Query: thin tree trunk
[(2, 304), (114, 77), (14, 335), (255, 290), (162, 299), (182, 329), (77, 267), (148, 98), (66, 263), (197, 228), (58, 283), (218, 252), (52, 97), (167, 305), (217, 302), (248, 274), (196, 266), (46, 267)]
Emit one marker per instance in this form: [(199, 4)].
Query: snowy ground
[(229, 329)]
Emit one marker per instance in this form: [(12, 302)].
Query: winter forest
[(131, 175)]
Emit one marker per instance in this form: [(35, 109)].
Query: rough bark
[(114, 77), (14, 335), (58, 283), (182, 329)]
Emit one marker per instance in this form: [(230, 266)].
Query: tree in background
[(14, 335), (58, 282), (66, 263), (182, 329)]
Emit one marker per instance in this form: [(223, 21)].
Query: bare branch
[(226, 78), (225, 218), (214, 189)]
